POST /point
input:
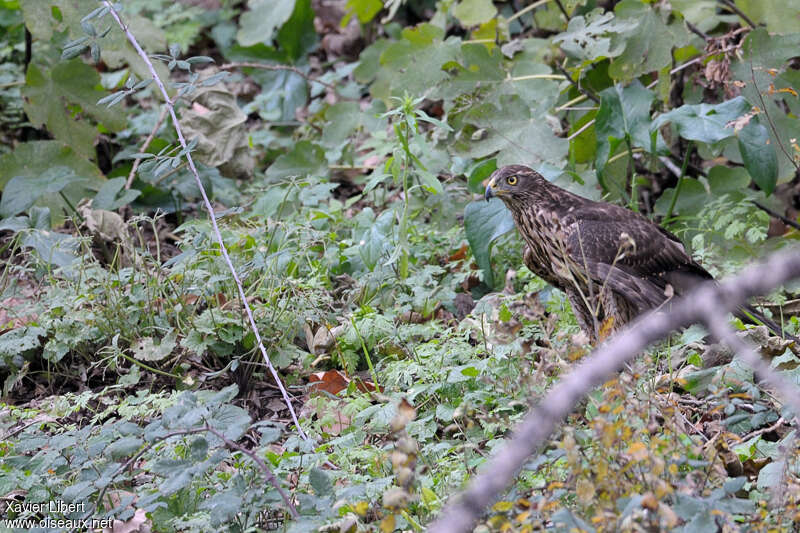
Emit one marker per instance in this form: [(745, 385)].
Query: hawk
[(613, 264)]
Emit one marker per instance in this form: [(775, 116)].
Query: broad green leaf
[(223, 507), (511, 129), (58, 249), (146, 348), (413, 64), (124, 447), (624, 113), (51, 97), (306, 159), (595, 35), (479, 173), (21, 192), (375, 243), (771, 476), (648, 47), (262, 18), (298, 36), (768, 82), (20, 340), (484, 222), (282, 92), (692, 198), (474, 12), (758, 153), (113, 195), (780, 16), (702, 13), (706, 123), (321, 482)]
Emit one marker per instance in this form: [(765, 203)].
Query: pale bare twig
[(266, 66), (145, 144), (210, 209)]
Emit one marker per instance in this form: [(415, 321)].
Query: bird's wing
[(610, 234), (630, 254)]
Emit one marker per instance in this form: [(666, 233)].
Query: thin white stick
[(210, 209)]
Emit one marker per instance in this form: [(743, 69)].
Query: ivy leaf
[(484, 222), (704, 122), (759, 156)]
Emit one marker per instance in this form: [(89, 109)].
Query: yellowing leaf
[(638, 451)]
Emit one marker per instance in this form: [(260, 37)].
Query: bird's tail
[(749, 315)]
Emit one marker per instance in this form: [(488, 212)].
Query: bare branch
[(211, 214), (499, 472)]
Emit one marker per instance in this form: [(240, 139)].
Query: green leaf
[(759, 156), (413, 64), (223, 507), (474, 12), (321, 482), (306, 159), (124, 447), (20, 340), (704, 122), (779, 16), (375, 242), (298, 36), (365, 10), (480, 172), (21, 192), (624, 112), (52, 96), (648, 47), (512, 129), (692, 199), (594, 36), (113, 195), (484, 222), (764, 69), (262, 18)]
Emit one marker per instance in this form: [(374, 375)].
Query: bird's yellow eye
[(512, 180)]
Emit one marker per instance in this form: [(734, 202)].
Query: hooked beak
[(489, 194)]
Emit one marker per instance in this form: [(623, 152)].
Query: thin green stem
[(527, 9), (680, 181), (634, 201), (150, 368), (366, 356)]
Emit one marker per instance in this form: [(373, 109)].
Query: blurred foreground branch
[(709, 304)]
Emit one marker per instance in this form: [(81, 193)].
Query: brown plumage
[(612, 263)]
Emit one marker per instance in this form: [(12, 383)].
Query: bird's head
[(512, 184)]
